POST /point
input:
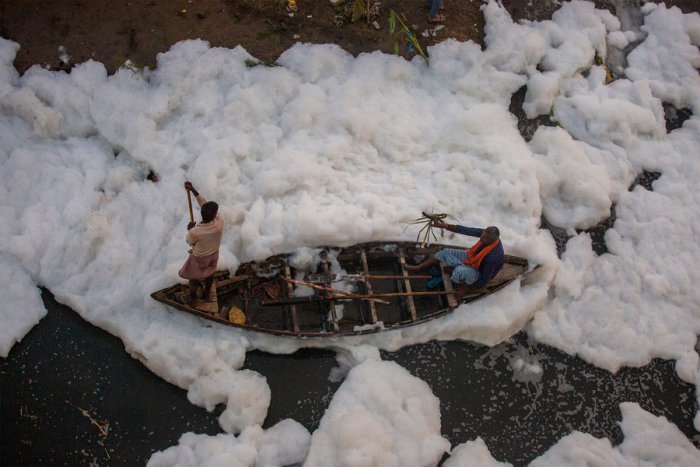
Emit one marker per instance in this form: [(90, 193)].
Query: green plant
[(358, 10), (350, 12), (403, 29)]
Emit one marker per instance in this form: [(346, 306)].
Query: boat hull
[(332, 291)]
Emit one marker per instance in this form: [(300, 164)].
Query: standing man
[(205, 239), (474, 267)]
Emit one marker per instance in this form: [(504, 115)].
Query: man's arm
[(200, 199), (189, 238), (460, 229)]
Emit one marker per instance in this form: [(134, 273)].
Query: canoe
[(333, 291)]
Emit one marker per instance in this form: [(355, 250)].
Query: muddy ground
[(113, 31)]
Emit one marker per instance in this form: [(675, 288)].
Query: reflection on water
[(520, 397)]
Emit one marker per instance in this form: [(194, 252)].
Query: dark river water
[(71, 395)]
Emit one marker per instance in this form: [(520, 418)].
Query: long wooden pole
[(392, 294), (297, 300), (340, 293), (315, 278), (370, 276), (189, 204)]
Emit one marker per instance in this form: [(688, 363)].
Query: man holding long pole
[(205, 239)]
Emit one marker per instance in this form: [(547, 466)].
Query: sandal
[(439, 18)]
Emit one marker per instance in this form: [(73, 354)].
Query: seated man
[(471, 269), (204, 238)]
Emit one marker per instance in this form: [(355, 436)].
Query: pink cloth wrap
[(199, 268)]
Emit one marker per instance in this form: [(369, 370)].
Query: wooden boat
[(375, 294)]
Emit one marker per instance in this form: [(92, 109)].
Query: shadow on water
[(520, 397)]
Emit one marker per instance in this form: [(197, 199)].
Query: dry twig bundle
[(426, 232)]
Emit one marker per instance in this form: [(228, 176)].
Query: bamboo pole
[(392, 294), (337, 277), (407, 285), (189, 204), (348, 297), (340, 293)]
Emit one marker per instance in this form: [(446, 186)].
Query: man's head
[(209, 210), (489, 235)]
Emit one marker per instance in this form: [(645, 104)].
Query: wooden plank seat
[(447, 281)]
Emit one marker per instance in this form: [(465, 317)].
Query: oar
[(341, 293)]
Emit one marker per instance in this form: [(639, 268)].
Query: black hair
[(492, 232), (209, 210)]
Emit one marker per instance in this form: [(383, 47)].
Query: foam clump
[(285, 443), (380, 415)]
